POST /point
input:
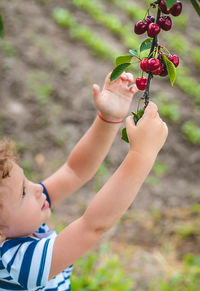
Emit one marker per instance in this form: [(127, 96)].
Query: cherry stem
[(154, 44)]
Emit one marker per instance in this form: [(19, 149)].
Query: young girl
[(31, 256)]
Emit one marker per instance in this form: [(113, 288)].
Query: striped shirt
[(25, 263)]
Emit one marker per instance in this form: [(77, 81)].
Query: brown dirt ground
[(47, 133)]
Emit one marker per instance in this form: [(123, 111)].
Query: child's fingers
[(96, 92), (127, 77), (130, 124), (151, 110), (133, 89)]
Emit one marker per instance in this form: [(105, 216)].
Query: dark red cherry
[(163, 7), (153, 64), (141, 83), (165, 23), (140, 27), (153, 29), (174, 59), (149, 19), (157, 71), (164, 71), (143, 65), (176, 9)]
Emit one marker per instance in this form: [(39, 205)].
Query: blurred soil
[(46, 133)]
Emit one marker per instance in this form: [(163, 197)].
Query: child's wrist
[(109, 120)]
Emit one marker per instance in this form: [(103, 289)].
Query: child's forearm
[(91, 150), (118, 193)]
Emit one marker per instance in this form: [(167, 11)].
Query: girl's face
[(24, 205)]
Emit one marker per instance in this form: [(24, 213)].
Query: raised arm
[(113, 103), (110, 203)]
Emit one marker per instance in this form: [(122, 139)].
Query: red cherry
[(149, 19), (143, 65), (153, 64), (164, 71), (140, 27), (174, 59), (141, 83), (176, 9), (165, 23), (163, 7), (157, 71), (153, 29)]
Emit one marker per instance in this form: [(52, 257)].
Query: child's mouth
[(45, 205)]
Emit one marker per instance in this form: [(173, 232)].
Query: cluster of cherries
[(164, 22), (156, 65)]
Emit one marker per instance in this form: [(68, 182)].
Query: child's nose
[(39, 190)]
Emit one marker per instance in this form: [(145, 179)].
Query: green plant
[(100, 271), (195, 53), (192, 132), (168, 109), (66, 20), (39, 84)]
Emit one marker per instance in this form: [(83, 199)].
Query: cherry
[(153, 29), (153, 64), (140, 27), (163, 7), (176, 9), (174, 59), (165, 23), (164, 71), (157, 71), (149, 19), (141, 83), (143, 65)]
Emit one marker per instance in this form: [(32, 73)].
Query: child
[(31, 256)]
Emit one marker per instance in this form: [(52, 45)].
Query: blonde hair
[(7, 155)]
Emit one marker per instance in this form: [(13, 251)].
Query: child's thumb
[(130, 125), (96, 92)]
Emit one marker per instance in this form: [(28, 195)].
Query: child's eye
[(24, 193)]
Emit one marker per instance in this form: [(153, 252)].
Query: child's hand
[(114, 100), (150, 133)]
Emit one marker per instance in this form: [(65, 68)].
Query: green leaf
[(133, 52), (122, 60), (196, 6), (118, 71), (1, 27), (170, 68), (124, 135), (146, 44), (170, 3)]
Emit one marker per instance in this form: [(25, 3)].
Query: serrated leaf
[(170, 3), (170, 68), (146, 44), (124, 135), (118, 71), (196, 6), (1, 27), (133, 52), (122, 60)]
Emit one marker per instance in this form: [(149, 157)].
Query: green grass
[(80, 32), (100, 271), (191, 132)]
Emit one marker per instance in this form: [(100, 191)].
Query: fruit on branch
[(153, 29), (140, 27), (149, 19), (176, 9), (141, 83), (163, 7), (143, 65), (174, 59), (157, 71), (153, 64), (165, 22), (164, 71)]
